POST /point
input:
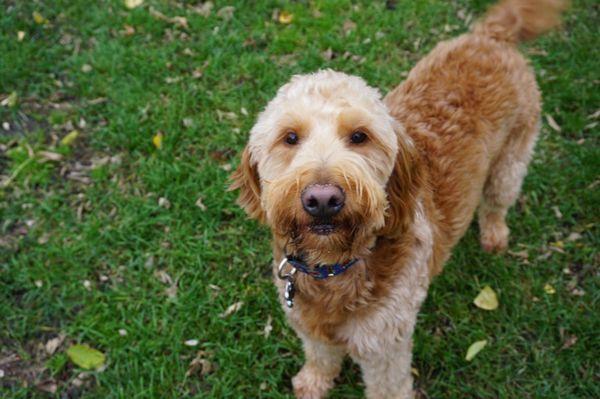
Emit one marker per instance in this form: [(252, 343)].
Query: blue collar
[(320, 271)]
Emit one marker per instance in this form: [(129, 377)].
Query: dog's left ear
[(403, 188), (246, 179)]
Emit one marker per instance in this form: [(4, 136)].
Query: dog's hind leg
[(503, 184)]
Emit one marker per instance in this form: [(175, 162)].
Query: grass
[(85, 244)]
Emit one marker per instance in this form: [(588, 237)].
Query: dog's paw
[(494, 237), (309, 384)]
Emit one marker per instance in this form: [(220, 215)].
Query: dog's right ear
[(246, 179)]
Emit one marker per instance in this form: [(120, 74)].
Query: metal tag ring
[(286, 276)]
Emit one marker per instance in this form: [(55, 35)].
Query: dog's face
[(317, 166)]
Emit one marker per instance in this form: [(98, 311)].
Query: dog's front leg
[(322, 364), (387, 373)]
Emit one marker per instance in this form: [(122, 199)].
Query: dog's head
[(327, 168)]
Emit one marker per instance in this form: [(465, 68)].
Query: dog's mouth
[(323, 229)]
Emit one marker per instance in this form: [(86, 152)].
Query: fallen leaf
[(590, 126), (569, 341), (69, 138), (157, 140), (268, 327), (577, 292), (44, 239), (187, 122), (131, 4), (39, 18), (574, 236), (226, 115), (474, 349), (197, 73), (170, 80), (48, 386), (20, 35), (200, 204), (226, 13), (181, 21), (171, 292), (86, 357), (128, 30), (164, 203), (10, 100), (53, 344), (199, 364), (549, 289), (77, 382), (232, 309), (486, 299), (204, 9), (149, 263), (552, 123), (163, 277), (557, 246), (327, 54), (414, 371), (285, 18), (50, 156), (557, 212), (348, 26)]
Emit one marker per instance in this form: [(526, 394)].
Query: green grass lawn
[(134, 250)]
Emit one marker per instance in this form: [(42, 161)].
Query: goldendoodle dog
[(367, 196)]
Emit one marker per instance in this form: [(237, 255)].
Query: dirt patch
[(30, 368)]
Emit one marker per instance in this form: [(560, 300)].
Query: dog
[(365, 197)]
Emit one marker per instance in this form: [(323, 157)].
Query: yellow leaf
[(11, 100), (285, 18), (550, 290), (474, 349), (86, 357), (157, 140), (133, 3), (39, 18), (69, 138), (486, 299), (20, 35)]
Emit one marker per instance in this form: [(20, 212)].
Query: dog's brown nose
[(323, 200)]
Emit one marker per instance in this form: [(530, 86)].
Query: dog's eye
[(291, 138), (358, 137)]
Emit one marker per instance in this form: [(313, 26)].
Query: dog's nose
[(323, 200)]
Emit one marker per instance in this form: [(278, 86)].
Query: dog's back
[(472, 106)]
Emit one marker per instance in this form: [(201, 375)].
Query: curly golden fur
[(454, 137)]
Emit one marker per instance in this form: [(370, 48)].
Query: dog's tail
[(514, 21)]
